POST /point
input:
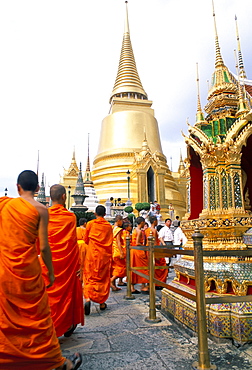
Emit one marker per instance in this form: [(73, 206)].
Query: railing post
[(152, 294), (129, 295), (204, 360)]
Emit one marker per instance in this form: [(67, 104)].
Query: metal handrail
[(199, 298)]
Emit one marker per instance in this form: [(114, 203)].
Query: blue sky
[(59, 61)]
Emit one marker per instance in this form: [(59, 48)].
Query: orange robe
[(118, 264), (97, 268), (160, 274), (138, 258), (81, 232), (65, 296), (27, 336)]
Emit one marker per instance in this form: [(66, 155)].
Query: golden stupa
[(130, 141)]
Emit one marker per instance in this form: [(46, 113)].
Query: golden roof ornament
[(242, 104), (88, 181), (128, 83), (181, 164), (222, 81), (73, 168), (242, 72), (200, 119)]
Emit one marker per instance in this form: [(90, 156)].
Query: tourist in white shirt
[(179, 237), (165, 234)]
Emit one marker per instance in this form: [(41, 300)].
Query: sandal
[(103, 306), (70, 331), (76, 360)]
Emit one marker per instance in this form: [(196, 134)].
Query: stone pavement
[(119, 338)]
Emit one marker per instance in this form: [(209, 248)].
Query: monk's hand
[(51, 279), (78, 273), (121, 255)]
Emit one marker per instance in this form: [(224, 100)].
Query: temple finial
[(88, 160), (199, 114), (181, 164), (128, 84), (218, 60), (242, 104), (145, 138), (73, 159), (242, 72), (126, 26)]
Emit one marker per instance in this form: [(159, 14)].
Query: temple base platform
[(224, 320)]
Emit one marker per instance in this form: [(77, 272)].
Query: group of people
[(47, 266), (39, 267)]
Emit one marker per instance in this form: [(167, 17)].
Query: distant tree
[(139, 207), (146, 206), (131, 218), (128, 209)]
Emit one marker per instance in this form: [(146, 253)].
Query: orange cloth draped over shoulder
[(160, 274), (81, 232), (118, 264), (27, 336), (138, 258), (65, 296), (97, 268)]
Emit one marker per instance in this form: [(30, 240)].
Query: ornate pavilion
[(219, 193)]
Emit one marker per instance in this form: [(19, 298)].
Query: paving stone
[(85, 342), (124, 360), (120, 338)]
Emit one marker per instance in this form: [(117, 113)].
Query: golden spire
[(128, 83), (199, 114), (181, 164), (88, 179), (73, 168), (222, 85), (242, 72), (242, 104), (145, 146), (88, 161), (218, 58)]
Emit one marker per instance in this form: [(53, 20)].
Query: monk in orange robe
[(81, 232), (65, 296), (27, 336), (127, 228), (160, 274), (139, 258), (97, 267), (118, 256)]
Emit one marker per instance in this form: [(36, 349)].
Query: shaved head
[(100, 211), (56, 192), (118, 218), (28, 180)]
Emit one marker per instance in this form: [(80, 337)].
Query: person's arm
[(45, 250), (161, 236), (86, 234), (138, 238), (118, 241)]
